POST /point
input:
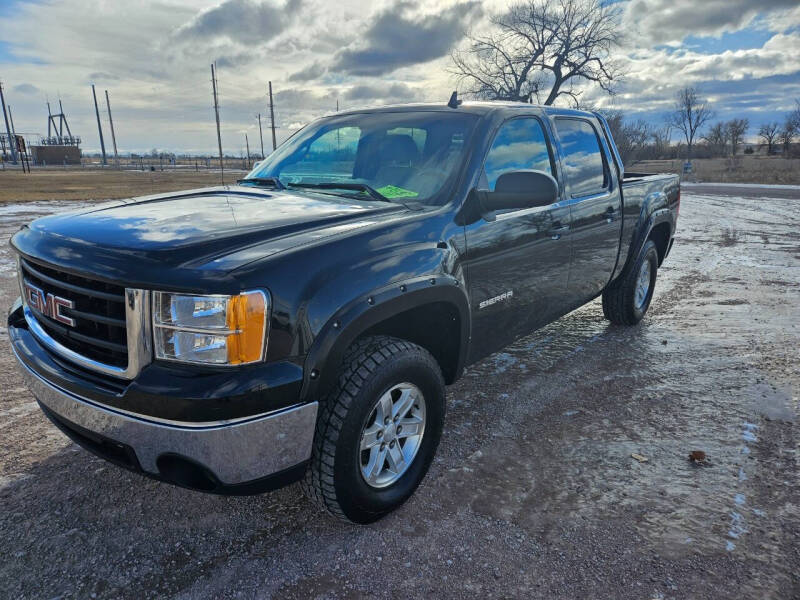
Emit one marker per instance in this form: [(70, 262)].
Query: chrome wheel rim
[(642, 285), (392, 435)]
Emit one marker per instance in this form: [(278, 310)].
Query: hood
[(192, 229)]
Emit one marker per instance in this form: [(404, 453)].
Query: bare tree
[(689, 115), (717, 139), (661, 140), (769, 133), (630, 137), (540, 50), (736, 129), (787, 134), (794, 116)]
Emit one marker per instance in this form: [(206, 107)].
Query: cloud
[(670, 21), (242, 21), (390, 92), (26, 88), (153, 56), (398, 38), (313, 71), (661, 68), (100, 76)]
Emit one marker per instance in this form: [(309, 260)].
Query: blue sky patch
[(738, 40)]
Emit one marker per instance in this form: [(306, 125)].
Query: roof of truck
[(480, 107)]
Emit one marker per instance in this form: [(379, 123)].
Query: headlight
[(214, 330)]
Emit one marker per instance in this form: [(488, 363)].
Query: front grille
[(100, 332)]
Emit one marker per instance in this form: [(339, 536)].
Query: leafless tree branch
[(689, 115), (541, 49)]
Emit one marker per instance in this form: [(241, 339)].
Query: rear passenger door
[(517, 265), (595, 207)]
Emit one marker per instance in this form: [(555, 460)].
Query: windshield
[(403, 156)]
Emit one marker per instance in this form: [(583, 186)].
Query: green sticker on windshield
[(392, 191)]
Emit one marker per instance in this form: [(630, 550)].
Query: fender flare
[(661, 215), (349, 322)]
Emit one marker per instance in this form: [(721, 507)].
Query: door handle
[(557, 231), (609, 214)]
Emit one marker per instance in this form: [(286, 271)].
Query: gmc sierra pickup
[(303, 324)]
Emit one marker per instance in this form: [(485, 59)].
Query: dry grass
[(95, 184), (742, 169), (86, 184)]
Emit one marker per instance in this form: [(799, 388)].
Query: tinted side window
[(583, 160), (519, 144)]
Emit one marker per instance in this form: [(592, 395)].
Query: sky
[(154, 56)]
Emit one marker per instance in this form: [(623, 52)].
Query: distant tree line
[(700, 137)]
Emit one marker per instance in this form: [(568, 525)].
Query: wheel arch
[(662, 222), (412, 310), (660, 233)]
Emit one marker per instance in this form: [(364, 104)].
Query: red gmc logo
[(48, 304)]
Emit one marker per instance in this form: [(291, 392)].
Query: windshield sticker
[(392, 191)]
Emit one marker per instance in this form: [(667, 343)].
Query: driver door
[(517, 265)]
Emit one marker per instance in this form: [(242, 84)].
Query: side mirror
[(520, 189)]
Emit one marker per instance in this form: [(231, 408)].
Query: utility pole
[(11, 118), (99, 128), (111, 122), (272, 117), (261, 135), (219, 135), (11, 140), (247, 143)]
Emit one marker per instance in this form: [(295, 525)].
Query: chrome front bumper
[(235, 453)]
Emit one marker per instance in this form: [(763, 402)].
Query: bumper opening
[(186, 473), (116, 452)]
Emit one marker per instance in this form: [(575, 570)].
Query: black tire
[(619, 299), (370, 368)]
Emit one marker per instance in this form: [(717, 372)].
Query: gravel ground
[(534, 492)]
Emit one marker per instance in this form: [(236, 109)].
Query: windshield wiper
[(273, 181), (359, 187)]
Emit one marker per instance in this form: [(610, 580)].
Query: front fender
[(367, 310)]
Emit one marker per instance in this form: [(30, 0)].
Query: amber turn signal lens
[(247, 319)]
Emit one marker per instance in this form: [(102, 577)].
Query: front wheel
[(626, 301), (377, 430)]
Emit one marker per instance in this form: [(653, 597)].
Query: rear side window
[(519, 144), (584, 166)]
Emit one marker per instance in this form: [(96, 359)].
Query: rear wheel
[(377, 430), (626, 301)]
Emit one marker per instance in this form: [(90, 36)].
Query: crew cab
[(303, 323)]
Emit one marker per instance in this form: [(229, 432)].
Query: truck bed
[(633, 177)]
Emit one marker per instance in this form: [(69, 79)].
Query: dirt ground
[(534, 492), (88, 184)]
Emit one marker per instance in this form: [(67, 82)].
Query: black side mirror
[(520, 189)]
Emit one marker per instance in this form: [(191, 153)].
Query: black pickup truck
[(303, 324)]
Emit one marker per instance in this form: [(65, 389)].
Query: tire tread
[(360, 362), (618, 297)]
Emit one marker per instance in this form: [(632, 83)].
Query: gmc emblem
[(48, 304)]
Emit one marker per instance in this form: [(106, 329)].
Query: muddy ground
[(534, 492)]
